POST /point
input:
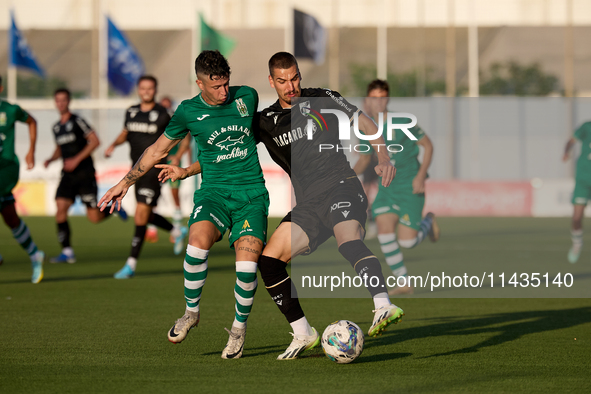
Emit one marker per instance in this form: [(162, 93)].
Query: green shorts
[(243, 212), (399, 199), (582, 192)]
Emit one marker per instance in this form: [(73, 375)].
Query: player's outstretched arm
[(57, 153), (418, 183), (92, 143), (569, 145), (174, 173), (121, 138), (30, 158), (154, 154), (385, 169), (362, 163)]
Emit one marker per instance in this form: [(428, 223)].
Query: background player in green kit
[(582, 192), (9, 171), (232, 197), (402, 202)]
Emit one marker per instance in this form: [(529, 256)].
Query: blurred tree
[(512, 78), (35, 87), (401, 84)]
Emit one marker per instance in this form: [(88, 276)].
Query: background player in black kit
[(144, 123), (323, 182), (75, 141)]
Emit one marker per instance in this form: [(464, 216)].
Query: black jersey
[(284, 134), (71, 138), (144, 128)]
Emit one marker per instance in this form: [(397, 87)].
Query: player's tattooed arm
[(151, 156), (154, 154), (136, 172)]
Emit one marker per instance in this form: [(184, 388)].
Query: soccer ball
[(342, 341)]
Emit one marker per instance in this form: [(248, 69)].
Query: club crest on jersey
[(153, 116), (229, 142), (305, 108), (69, 126), (2, 118), (242, 109)]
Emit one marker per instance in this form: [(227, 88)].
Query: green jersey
[(223, 133), (583, 134), (406, 161), (9, 115)]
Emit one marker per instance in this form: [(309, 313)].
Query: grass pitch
[(80, 330)]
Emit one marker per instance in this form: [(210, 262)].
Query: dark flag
[(309, 37)]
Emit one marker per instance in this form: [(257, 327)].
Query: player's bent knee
[(10, 217), (408, 243), (275, 251), (94, 215), (273, 271)]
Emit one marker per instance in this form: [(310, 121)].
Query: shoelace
[(296, 338), (183, 318), (233, 334)]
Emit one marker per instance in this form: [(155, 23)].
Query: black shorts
[(80, 182), (147, 188), (317, 216)]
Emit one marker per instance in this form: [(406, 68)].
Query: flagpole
[(12, 74), (11, 92), (288, 36), (94, 48), (382, 44), (103, 56), (333, 52), (195, 49)]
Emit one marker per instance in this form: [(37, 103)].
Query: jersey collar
[(214, 106)]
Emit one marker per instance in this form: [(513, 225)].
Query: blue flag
[(20, 55), (125, 64)]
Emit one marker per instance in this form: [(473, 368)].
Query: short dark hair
[(212, 64), (283, 60), (62, 90), (148, 78), (378, 84), (0, 81)]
